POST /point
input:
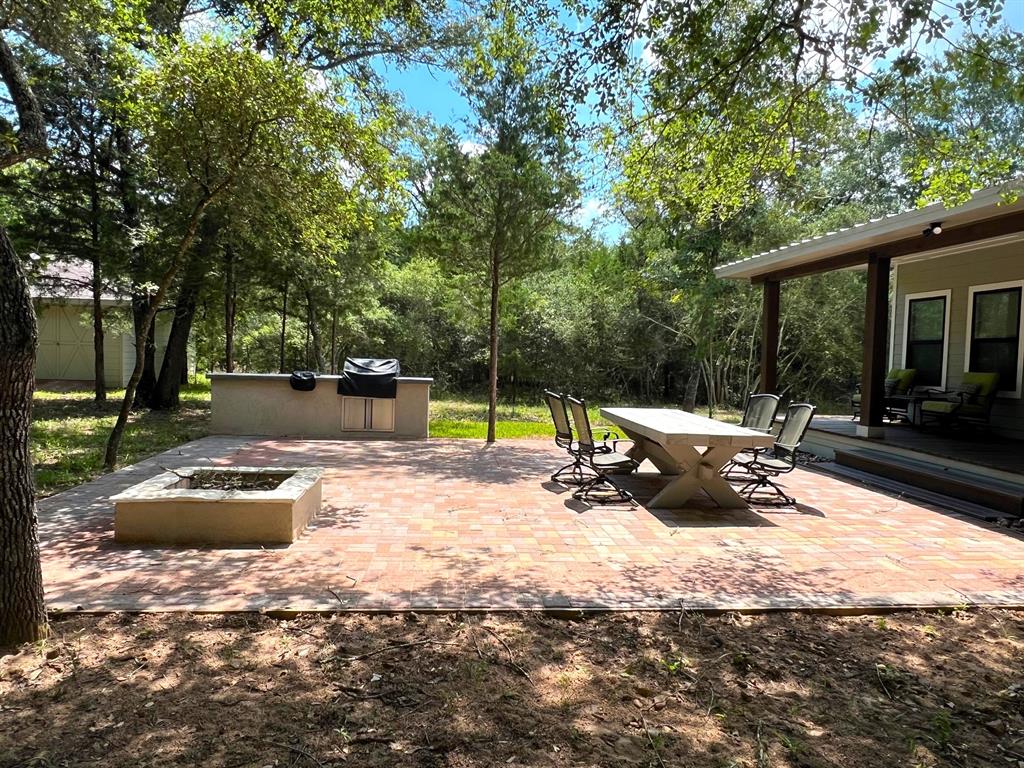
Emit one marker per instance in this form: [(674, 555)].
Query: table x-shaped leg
[(698, 471)]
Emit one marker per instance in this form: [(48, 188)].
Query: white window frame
[(948, 295), (1014, 393)]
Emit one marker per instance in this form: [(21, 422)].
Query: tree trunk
[(141, 305), (141, 302), (284, 325), (230, 308), (166, 393), (334, 340), (314, 334), (99, 372), (22, 613), (492, 398), (114, 441), (690, 391), (99, 369)]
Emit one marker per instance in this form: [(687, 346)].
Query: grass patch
[(69, 433), (478, 429)]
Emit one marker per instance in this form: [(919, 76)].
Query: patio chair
[(575, 472), (758, 414), (782, 459), (898, 384), (600, 458), (969, 403)]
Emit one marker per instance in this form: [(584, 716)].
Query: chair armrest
[(615, 443)]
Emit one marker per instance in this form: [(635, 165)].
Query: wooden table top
[(669, 426)]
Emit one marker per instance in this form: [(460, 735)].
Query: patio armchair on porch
[(758, 414), (781, 459), (575, 472), (898, 384), (967, 404), (601, 459)]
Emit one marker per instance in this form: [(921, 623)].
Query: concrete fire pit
[(168, 509)]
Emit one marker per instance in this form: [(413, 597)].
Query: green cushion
[(856, 398), (904, 379), (939, 406), (973, 409), (987, 383)]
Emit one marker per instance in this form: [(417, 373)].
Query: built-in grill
[(369, 377), (368, 387)]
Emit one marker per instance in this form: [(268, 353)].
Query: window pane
[(998, 357), (926, 359), (997, 314), (927, 319)]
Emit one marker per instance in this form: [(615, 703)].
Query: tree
[(221, 122), (69, 203), (22, 613), (720, 100), (495, 212)]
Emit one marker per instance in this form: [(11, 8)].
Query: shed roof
[(69, 280)]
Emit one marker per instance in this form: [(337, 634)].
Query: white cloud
[(472, 148), (591, 210)]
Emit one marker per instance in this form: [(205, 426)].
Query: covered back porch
[(943, 297)]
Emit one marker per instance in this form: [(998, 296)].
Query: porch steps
[(1000, 496)]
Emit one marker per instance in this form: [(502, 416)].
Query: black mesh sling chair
[(779, 460), (758, 414), (601, 459), (573, 473)]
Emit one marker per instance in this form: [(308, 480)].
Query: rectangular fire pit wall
[(245, 505)]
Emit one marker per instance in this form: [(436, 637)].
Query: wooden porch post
[(876, 326), (770, 337)]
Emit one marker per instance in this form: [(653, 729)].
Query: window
[(994, 332), (927, 328)]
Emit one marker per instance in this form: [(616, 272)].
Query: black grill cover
[(303, 381), (364, 377)]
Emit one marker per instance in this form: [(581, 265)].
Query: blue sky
[(433, 92)]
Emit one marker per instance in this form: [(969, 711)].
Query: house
[(62, 295), (944, 297)]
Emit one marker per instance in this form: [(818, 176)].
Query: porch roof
[(984, 216)]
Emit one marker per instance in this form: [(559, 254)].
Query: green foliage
[(221, 120), (744, 126), (720, 103)]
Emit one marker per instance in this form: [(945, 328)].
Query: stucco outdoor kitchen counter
[(265, 404)]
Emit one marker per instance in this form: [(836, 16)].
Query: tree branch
[(30, 139)]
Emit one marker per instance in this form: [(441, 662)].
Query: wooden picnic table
[(691, 447)]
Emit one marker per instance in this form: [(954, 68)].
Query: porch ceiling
[(985, 215)]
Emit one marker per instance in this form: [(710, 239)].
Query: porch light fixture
[(935, 228)]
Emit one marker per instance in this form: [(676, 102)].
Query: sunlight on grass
[(70, 430), (478, 429)]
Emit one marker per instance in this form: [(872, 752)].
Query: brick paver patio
[(458, 524)]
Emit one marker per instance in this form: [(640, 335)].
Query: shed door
[(65, 345)]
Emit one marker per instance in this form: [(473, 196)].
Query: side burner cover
[(367, 377)]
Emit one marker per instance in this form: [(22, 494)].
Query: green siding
[(957, 272)]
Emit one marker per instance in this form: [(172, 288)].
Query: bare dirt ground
[(503, 689)]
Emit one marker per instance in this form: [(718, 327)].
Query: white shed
[(63, 301)]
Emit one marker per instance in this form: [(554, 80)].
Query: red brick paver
[(458, 524)]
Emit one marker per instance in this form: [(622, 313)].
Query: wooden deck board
[(985, 450)]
